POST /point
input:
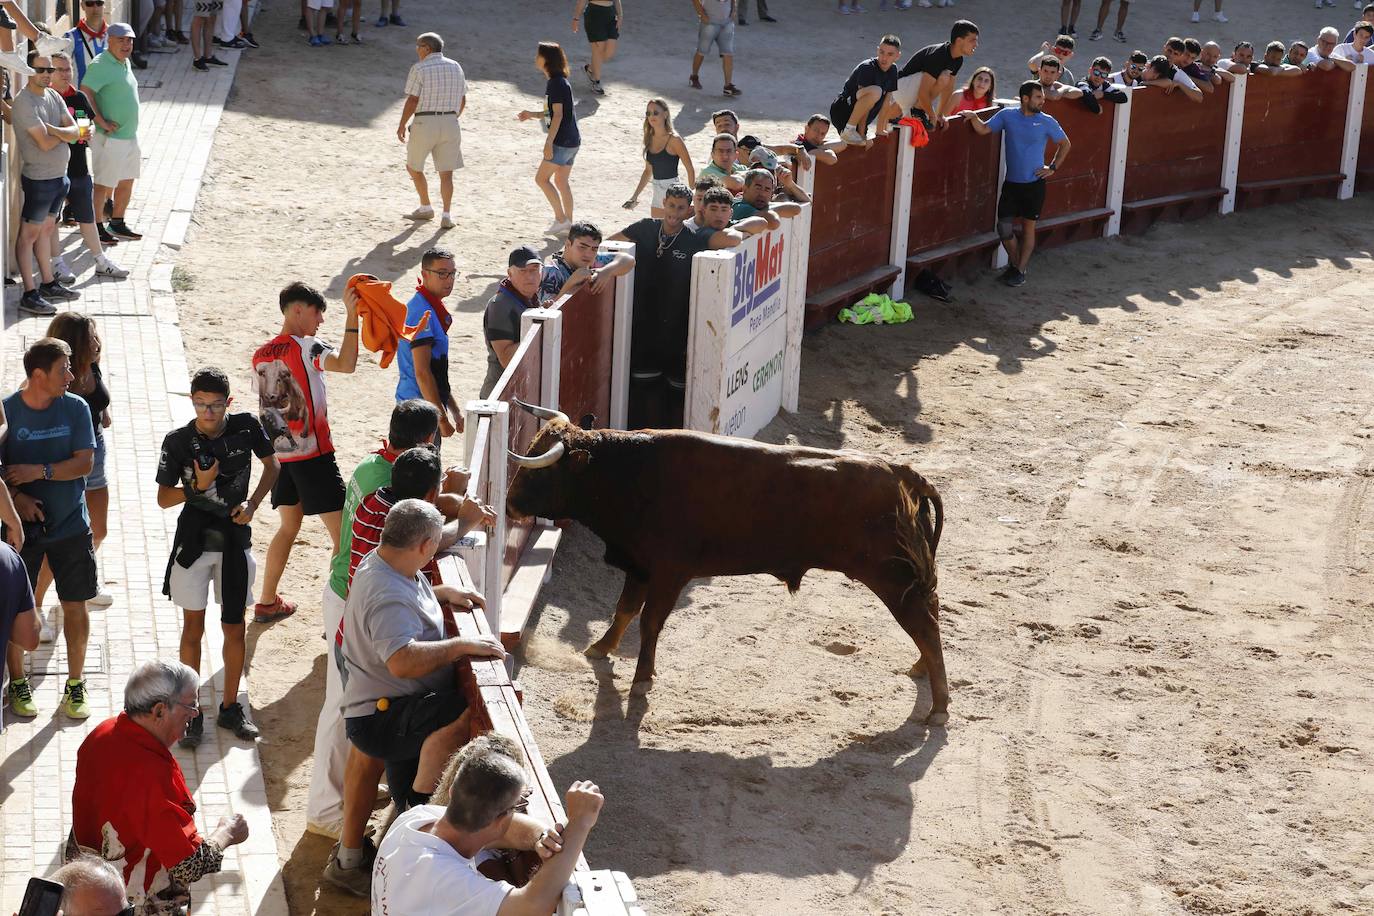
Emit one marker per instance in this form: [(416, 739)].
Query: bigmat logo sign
[(758, 280)]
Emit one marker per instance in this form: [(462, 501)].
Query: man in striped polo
[(436, 93)]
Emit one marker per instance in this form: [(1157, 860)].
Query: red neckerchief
[(387, 452), (87, 29), (438, 304)]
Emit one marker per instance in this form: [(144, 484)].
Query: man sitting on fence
[(1133, 74), (1357, 50), (501, 320), (1274, 63), (436, 852), (1028, 130), (1320, 57), (1164, 75), (1051, 85), (578, 263), (401, 703), (934, 69), (1061, 50), (1098, 88), (865, 93)]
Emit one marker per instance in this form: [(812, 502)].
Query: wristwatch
[(47, 472), (1052, 167)]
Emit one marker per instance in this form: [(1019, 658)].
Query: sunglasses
[(1100, 74), (1136, 68), (1062, 52), (93, 3), (44, 69)]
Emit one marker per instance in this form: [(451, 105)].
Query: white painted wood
[(620, 337), (1354, 118), (901, 210), (522, 591), (713, 274), (999, 254), (1116, 171), (1230, 158), (496, 489), (799, 238)]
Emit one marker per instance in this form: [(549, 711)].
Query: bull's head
[(545, 481)]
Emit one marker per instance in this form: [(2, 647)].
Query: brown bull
[(673, 506)]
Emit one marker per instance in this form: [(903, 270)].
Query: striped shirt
[(367, 532), (438, 82)]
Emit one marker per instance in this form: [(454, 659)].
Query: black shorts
[(1021, 200), (72, 561), (314, 484), (599, 23), (397, 735)]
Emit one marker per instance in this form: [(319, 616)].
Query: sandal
[(268, 613), (693, 81), (732, 89)]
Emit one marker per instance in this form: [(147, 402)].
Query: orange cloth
[(919, 137), (381, 318)]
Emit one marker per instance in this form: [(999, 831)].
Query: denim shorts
[(721, 34), (564, 155), (80, 204), (96, 480), (43, 197)]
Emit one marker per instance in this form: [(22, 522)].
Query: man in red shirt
[(288, 373), (131, 805)]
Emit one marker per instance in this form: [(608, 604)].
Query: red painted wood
[(1082, 183), (851, 214), (584, 378), (954, 187), (1294, 127), (1176, 146), (1365, 161)]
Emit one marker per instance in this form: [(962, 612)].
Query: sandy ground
[(1156, 461)]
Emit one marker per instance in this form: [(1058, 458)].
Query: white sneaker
[(1196, 17), (47, 632), (421, 213), (851, 136), (1220, 17), (49, 45), (557, 226), (102, 599), (924, 4), (61, 272), (11, 60), (104, 267), (330, 830), (447, 222)]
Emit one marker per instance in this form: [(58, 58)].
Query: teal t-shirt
[(372, 473), (50, 436), (742, 210), (115, 88)]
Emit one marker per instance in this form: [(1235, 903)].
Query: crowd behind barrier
[(1257, 141)]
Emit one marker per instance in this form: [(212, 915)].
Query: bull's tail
[(920, 521)]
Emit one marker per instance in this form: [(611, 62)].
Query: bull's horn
[(539, 461), (542, 413)]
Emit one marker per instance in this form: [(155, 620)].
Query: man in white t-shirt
[(1319, 57), (1357, 50), (428, 863)]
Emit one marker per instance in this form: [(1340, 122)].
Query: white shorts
[(436, 136), (320, 4), (190, 588), (113, 160), (661, 186)]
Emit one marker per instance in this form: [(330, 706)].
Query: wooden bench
[(1071, 227), (1284, 190), (1139, 215), (823, 306), (965, 256)]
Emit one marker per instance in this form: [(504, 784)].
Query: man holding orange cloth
[(423, 357)]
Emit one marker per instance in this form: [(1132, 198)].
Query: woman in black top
[(80, 333), (562, 139), (663, 151), (602, 20)]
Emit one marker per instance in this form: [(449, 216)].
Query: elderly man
[(90, 887), (131, 805), (432, 852), (1319, 58), (578, 263), (46, 456), (42, 127), (501, 320), (422, 362), (436, 94), (400, 703), (112, 90)]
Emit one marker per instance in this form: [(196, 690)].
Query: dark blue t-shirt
[(559, 91), (48, 437), (1027, 136), (434, 335), (16, 597)]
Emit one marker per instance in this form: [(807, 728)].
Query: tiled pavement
[(146, 367)]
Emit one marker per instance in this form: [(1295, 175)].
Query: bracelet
[(350, 330)]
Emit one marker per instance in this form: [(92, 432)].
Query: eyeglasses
[(44, 69), (521, 806), (93, 3), (442, 274), (212, 407), (194, 709)]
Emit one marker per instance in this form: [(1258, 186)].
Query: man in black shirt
[(934, 68), (501, 319), (865, 93), (663, 289), (207, 466)]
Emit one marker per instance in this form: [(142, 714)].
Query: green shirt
[(372, 473), (742, 210), (115, 88), (716, 171)]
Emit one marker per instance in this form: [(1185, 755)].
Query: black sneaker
[(56, 292), (395, 19), (118, 228), (195, 733), (238, 44), (33, 303), (214, 62), (200, 64), (235, 719), (1013, 277), (106, 239), (139, 61), (248, 40)]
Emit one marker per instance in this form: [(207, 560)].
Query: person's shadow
[(389, 259)]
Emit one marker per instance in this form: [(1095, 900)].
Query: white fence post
[(620, 337), (489, 577), (1116, 171), (799, 238), (1354, 117), (1230, 157), (999, 254), (901, 210), (550, 351)]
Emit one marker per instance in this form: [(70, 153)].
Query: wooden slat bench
[(1285, 190), (965, 256), (1139, 215), (823, 306)]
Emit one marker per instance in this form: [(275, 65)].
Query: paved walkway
[(146, 368)]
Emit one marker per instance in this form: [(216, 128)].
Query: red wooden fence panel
[(954, 187), (851, 214), (1081, 185), (1364, 168), (584, 378), (1292, 136), (1176, 146)]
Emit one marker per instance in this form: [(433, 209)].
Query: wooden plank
[(1298, 181), (523, 589), (961, 246), (1081, 185), (1171, 200), (851, 214), (954, 186), (1175, 145)]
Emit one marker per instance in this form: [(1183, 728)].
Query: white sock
[(349, 858)]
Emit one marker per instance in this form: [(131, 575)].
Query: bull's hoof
[(595, 651), (641, 688), (937, 718), (918, 669)]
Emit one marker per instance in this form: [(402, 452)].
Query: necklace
[(666, 244)]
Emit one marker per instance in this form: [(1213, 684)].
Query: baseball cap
[(748, 141), (120, 30), (523, 256), (764, 157)]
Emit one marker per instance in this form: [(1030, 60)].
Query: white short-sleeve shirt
[(418, 874), (1347, 52)]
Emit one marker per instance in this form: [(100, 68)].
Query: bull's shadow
[(709, 810)]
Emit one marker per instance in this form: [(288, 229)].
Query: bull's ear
[(578, 458)]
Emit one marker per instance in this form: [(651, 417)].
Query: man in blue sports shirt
[(423, 362), (1028, 131)]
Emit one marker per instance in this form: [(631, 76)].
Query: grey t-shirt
[(29, 111), (384, 613)]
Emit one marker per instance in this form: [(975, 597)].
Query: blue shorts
[(96, 480), (721, 35), (80, 204), (564, 155), (42, 197)]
